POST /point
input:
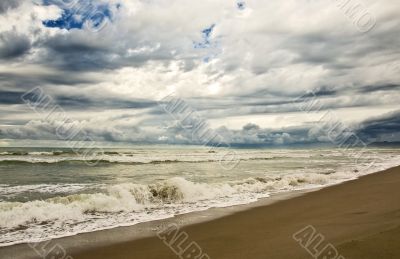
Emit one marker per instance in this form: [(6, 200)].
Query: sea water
[(47, 193)]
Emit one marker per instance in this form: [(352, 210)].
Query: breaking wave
[(133, 158), (38, 212), (128, 204)]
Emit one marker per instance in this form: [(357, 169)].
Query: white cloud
[(256, 62)]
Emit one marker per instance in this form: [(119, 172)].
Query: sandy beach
[(359, 218)]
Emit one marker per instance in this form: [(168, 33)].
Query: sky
[(249, 70)]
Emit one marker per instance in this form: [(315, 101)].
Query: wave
[(9, 190), (36, 153), (135, 157), (94, 161), (130, 203), (77, 208), (133, 160), (116, 198)]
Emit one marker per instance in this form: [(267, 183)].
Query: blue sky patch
[(206, 35), (212, 46), (75, 15), (241, 5)]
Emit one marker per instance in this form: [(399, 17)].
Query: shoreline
[(204, 226), (119, 234)]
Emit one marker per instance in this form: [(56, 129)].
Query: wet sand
[(361, 218)]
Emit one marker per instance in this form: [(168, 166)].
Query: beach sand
[(360, 218)]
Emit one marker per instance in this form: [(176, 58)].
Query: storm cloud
[(13, 45), (261, 73), (5, 5)]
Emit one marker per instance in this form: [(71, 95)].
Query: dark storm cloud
[(25, 81), (68, 53), (381, 128), (10, 97), (316, 94), (251, 135), (315, 48), (78, 102), (321, 99), (280, 65), (64, 44), (13, 45), (376, 88), (5, 5), (80, 51), (81, 102), (341, 53)]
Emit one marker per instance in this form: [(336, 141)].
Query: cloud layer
[(247, 67)]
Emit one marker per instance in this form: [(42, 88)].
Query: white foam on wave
[(155, 157), (128, 204), (8, 190), (123, 204)]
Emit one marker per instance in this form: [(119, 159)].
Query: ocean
[(53, 192)]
